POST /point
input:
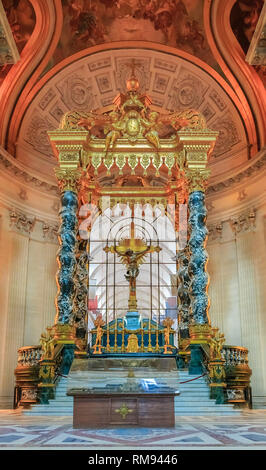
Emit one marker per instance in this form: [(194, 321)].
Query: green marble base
[(196, 360)]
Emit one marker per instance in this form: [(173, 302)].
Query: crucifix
[(132, 252)]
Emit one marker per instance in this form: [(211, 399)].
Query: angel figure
[(47, 344), (216, 345), (114, 129), (151, 129)]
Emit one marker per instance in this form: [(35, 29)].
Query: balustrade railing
[(29, 356), (228, 373), (238, 374), (235, 355), (27, 376)]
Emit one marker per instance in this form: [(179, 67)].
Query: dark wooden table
[(131, 409)]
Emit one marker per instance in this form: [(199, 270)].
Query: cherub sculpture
[(113, 129), (151, 128), (216, 344), (47, 344)]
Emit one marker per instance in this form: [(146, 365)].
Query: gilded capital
[(68, 178), (197, 179), (200, 333), (64, 333)]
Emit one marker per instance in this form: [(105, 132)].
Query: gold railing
[(133, 345)]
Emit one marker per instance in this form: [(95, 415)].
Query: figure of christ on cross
[(132, 255)]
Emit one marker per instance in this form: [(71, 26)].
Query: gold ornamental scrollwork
[(47, 372), (169, 162), (156, 161), (197, 179), (200, 333), (120, 161), (108, 162), (216, 344), (133, 161), (68, 178), (47, 342), (64, 333), (132, 345), (96, 161), (123, 411), (145, 162)]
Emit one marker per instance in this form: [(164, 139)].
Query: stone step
[(109, 376), (209, 405), (197, 390), (203, 414), (196, 384), (194, 398), (59, 404), (50, 413)]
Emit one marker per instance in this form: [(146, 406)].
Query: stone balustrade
[(27, 376), (235, 355), (238, 374), (29, 356)]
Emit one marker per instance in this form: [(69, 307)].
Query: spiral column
[(197, 145), (68, 147), (66, 258)]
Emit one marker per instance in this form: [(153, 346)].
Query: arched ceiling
[(91, 82), (74, 55)]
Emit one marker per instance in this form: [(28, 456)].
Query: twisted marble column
[(183, 293), (198, 258), (66, 257), (81, 293)]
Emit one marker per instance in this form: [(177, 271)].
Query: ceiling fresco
[(175, 23), (243, 19), (21, 18)]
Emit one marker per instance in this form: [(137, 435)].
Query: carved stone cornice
[(245, 222), (251, 170), (50, 232), (20, 222), (215, 232), (30, 225), (8, 163), (236, 224)]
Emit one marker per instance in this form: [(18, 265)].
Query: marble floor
[(244, 432)]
